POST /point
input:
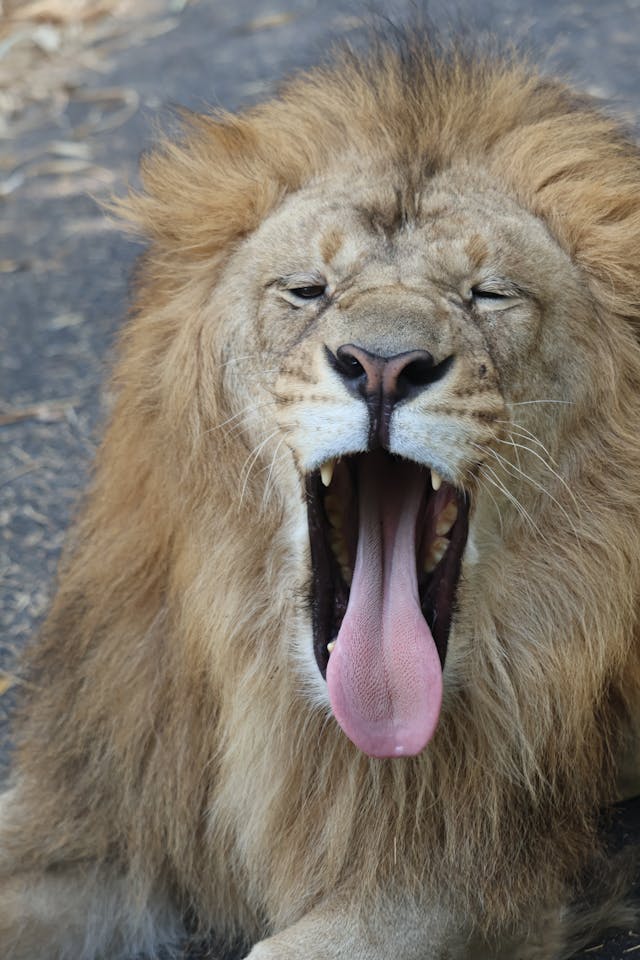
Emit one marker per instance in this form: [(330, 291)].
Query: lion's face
[(417, 359)]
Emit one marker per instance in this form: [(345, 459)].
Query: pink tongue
[(384, 675)]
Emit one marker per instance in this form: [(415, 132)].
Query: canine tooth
[(446, 518), (326, 471), (330, 646), (436, 480), (437, 550)]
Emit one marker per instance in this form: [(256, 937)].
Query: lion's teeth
[(436, 480), (446, 518), (338, 544), (330, 646), (341, 553), (437, 550), (326, 471), (335, 518), (342, 556), (347, 573), (333, 509)]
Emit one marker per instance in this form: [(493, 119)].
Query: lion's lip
[(440, 538)]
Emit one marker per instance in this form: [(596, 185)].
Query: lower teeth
[(436, 552)]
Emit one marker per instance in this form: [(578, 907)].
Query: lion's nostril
[(419, 373), (349, 365), (361, 370)]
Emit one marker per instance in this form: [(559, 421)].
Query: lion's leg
[(398, 930), (402, 930), (75, 911)]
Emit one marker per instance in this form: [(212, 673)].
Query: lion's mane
[(166, 692)]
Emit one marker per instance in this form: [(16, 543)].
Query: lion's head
[(375, 459), (419, 354)]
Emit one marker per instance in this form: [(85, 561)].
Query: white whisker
[(247, 356), (244, 413), (497, 482), (251, 460), (269, 481), (515, 471), (495, 503), (524, 434), (523, 403), (553, 472)]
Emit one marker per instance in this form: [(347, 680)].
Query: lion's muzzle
[(384, 381)]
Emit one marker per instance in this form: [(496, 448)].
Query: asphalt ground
[(80, 99)]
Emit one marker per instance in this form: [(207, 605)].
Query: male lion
[(345, 649)]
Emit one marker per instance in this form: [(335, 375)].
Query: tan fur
[(178, 740)]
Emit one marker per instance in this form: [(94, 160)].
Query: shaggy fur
[(176, 750)]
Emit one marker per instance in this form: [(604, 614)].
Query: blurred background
[(84, 87)]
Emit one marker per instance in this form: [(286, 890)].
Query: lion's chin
[(387, 539)]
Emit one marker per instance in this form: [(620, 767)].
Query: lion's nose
[(394, 378), (383, 381)]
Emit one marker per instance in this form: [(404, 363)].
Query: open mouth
[(387, 537)]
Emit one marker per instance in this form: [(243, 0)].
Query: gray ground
[(64, 270)]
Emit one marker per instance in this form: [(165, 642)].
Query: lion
[(344, 657)]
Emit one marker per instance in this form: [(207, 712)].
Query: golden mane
[(171, 598)]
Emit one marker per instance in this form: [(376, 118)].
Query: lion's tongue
[(384, 675)]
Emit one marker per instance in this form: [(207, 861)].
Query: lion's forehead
[(455, 227)]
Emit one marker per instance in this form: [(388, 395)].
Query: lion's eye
[(311, 292), (492, 297), (479, 293), (296, 288)]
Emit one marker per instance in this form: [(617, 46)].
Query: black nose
[(383, 381)]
